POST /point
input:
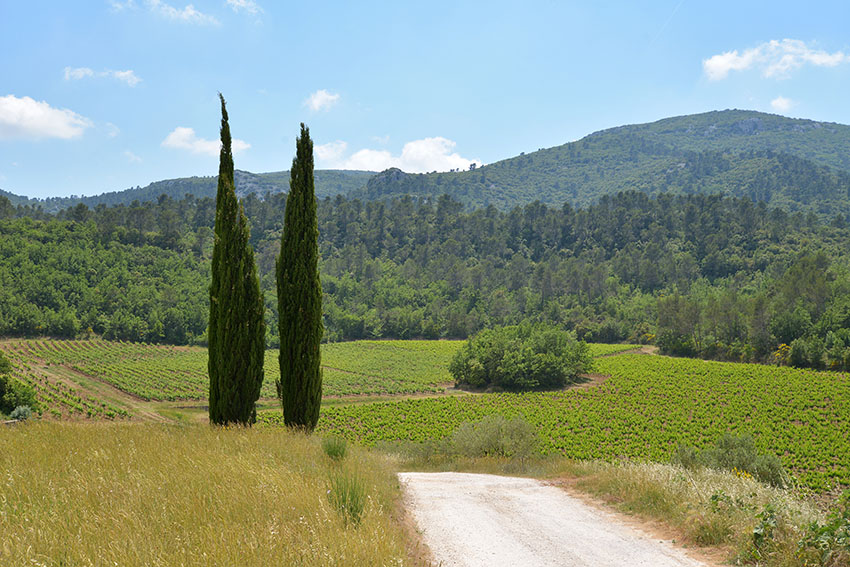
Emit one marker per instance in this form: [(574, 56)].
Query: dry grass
[(145, 494), (707, 507)]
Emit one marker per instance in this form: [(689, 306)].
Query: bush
[(828, 544), (495, 436), (348, 496), (807, 353), (12, 392), (522, 357), (674, 343), (686, 456), (21, 413), (334, 447), (735, 453)]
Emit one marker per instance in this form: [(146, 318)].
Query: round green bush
[(521, 357)]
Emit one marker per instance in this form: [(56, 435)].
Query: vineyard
[(57, 397), (169, 373), (164, 373), (648, 406)]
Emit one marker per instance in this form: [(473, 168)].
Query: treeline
[(700, 275)]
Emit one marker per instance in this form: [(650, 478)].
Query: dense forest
[(713, 276)]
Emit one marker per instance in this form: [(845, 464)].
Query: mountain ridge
[(736, 152), (799, 164)]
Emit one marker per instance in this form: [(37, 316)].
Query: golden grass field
[(165, 495)]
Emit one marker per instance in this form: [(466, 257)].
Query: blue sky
[(104, 95)]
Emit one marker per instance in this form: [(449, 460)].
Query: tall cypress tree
[(299, 295), (237, 331)]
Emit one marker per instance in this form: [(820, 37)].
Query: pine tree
[(299, 295), (237, 330)]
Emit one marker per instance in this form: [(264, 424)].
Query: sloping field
[(648, 406), (73, 378), (96, 379)]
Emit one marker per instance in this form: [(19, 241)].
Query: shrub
[(828, 544), (12, 392), (675, 343), (495, 436), (21, 413), (521, 357), (334, 447), (686, 456), (348, 495), (735, 453)]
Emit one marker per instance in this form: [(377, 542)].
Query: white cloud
[(331, 152), (28, 118), (128, 76), (418, 156), (112, 130), (188, 14), (183, 138), (121, 6), (248, 5), (131, 157), (321, 100), (383, 140), (78, 73), (775, 58), (781, 104)]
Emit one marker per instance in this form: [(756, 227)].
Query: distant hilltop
[(800, 165)]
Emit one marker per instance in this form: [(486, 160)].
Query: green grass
[(154, 495), (648, 406)]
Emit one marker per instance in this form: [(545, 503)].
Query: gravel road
[(485, 520)]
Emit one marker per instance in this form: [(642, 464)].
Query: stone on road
[(481, 520)]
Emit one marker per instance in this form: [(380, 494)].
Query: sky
[(104, 95)]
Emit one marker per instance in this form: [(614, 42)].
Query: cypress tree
[(299, 295), (237, 331)]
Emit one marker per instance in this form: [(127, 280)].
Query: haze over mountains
[(796, 164)]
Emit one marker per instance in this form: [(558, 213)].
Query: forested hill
[(708, 275), (799, 165), (329, 182)]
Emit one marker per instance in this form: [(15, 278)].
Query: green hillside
[(795, 164), (799, 165)]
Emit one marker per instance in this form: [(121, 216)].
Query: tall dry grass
[(155, 495), (756, 523)]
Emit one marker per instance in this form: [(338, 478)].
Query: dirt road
[(485, 520)]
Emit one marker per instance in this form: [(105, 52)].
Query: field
[(97, 379), (73, 378), (647, 406), (160, 495)]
